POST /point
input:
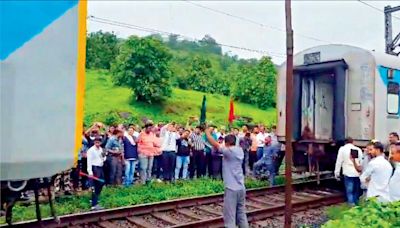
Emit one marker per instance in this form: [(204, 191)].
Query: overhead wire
[(255, 22), (376, 8), (157, 31)]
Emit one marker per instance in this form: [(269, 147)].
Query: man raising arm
[(235, 192)]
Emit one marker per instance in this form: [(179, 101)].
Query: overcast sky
[(345, 22)]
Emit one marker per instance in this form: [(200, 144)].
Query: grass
[(112, 197), (101, 96)]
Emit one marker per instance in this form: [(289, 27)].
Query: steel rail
[(259, 214), (128, 211)]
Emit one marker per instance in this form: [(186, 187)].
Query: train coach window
[(393, 98)]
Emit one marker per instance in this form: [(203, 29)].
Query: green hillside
[(102, 97)]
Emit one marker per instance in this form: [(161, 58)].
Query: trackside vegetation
[(112, 197), (369, 214)]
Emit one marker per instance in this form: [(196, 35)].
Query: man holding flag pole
[(210, 160)]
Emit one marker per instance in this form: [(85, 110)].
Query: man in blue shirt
[(115, 149), (234, 211), (208, 148)]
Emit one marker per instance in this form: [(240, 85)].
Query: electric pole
[(289, 115), (390, 43)]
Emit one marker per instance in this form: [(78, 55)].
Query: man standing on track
[(345, 162), (367, 156), (394, 184), (95, 160), (377, 174), (235, 191)]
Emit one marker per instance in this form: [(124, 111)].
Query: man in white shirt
[(347, 163), (95, 160), (394, 183), (261, 136), (377, 174), (168, 146), (367, 156)]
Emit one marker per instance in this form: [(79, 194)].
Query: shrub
[(112, 118), (370, 214)]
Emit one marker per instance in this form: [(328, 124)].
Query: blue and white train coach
[(340, 91), (42, 70)]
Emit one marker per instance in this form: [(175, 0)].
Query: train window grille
[(393, 94)]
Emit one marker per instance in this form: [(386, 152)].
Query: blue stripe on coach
[(383, 71), (20, 21)]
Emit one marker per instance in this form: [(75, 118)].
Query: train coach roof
[(387, 60), (339, 49)]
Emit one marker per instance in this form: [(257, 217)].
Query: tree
[(101, 49), (244, 85), (256, 83), (266, 71), (200, 74), (156, 36), (143, 65), (210, 45), (173, 40)]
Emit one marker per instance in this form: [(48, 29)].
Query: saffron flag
[(231, 116)]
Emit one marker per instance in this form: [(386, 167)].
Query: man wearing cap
[(377, 174), (95, 160)]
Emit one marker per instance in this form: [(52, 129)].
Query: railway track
[(204, 211)]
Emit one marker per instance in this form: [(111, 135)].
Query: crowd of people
[(169, 152), (374, 172)]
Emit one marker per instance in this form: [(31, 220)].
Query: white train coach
[(340, 91)]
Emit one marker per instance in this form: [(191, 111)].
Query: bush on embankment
[(370, 214)]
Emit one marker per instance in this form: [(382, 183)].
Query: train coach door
[(319, 101), (317, 98), (323, 114), (307, 105)]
